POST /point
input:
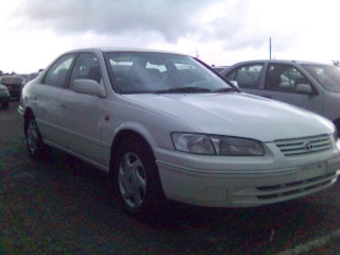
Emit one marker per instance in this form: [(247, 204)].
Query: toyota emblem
[(308, 146)]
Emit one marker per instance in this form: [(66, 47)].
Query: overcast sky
[(221, 32)]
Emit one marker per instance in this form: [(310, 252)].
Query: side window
[(284, 78), (86, 67), (247, 76), (57, 75)]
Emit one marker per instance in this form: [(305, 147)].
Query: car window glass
[(284, 78), (246, 76), (57, 75), (328, 76), (86, 67), (155, 73)]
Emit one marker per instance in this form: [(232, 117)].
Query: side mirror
[(88, 87), (235, 83), (304, 89)]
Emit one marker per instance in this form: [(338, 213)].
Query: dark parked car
[(14, 85), (4, 96), (313, 86)]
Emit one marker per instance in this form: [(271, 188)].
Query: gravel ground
[(60, 205)]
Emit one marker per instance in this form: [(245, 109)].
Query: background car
[(219, 68), (4, 97), (313, 86), (14, 85), (167, 127)]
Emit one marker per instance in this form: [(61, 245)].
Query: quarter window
[(57, 75)]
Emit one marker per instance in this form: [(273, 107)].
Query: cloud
[(171, 19), (219, 31), (290, 23)]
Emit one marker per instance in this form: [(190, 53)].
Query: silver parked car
[(313, 86), (14, 85), (166, 126)]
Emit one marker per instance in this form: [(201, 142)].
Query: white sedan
[(167, 127)]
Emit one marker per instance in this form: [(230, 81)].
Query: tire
[(136, 179), (33, 138), (337, 125)]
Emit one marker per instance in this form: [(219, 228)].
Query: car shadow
[(253, 228)]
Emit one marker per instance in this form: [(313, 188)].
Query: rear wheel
[(137, 181)]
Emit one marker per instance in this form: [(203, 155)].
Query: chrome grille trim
[(304, 145)]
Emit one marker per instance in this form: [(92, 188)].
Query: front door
[(281, 83), (85, 113)]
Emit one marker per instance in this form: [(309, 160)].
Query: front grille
[(288, 189), (304, 145)]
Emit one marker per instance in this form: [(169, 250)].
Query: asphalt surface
[(60, 205)]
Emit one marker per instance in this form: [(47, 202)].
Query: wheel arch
[(126, 135), (155, 198)]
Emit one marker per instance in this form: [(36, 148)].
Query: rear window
[(11, 80)]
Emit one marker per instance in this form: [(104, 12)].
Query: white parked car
[(169, 128)]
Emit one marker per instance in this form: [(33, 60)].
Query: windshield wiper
[(183, 90), (227, 90)]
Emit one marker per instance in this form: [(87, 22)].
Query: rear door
[(248, 77)]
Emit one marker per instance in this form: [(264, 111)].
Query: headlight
[(193, 143), (216, 145), (4, 91), (236, 146)]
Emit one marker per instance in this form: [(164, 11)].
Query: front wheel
[(33, 137), (137, 179)]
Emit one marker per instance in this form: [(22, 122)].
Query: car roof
[(282, 61), (11, 77), (122, 49)]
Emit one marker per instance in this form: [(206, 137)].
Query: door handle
[(266, 96)]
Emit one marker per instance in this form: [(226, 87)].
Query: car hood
[(237, 114)]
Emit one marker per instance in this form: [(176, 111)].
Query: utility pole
[(197, 56)]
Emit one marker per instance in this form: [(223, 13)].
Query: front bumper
[(244, 182)]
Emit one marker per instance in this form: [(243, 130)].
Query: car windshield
[(328, 76), (144, 72)]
